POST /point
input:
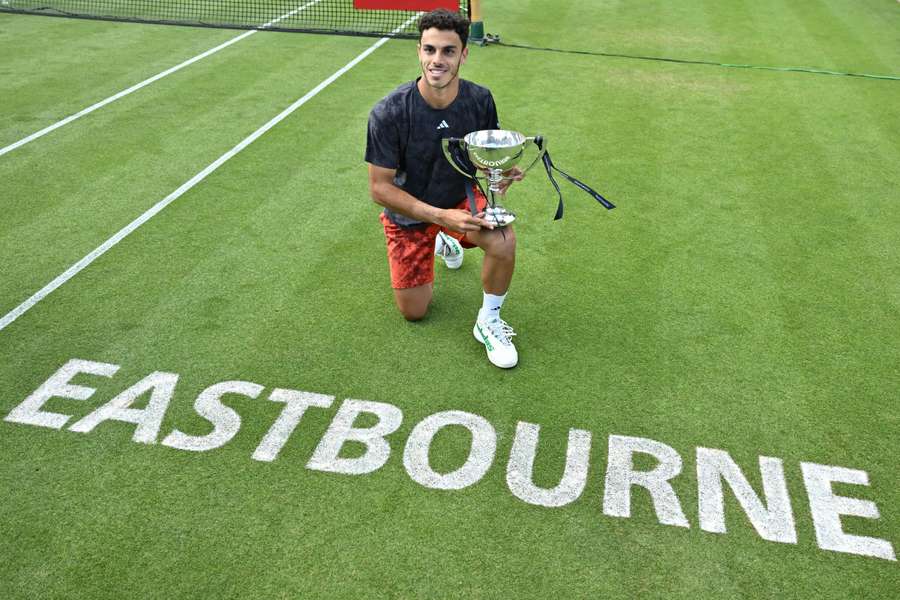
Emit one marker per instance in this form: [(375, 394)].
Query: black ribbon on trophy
[(548, 164), (459, 158), (497, 151)]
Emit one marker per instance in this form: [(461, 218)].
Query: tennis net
[(320, 16)]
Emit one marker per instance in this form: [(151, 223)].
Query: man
[(424, 198)]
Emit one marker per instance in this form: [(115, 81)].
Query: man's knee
[(413, 313), (413, 303), (502, 243)]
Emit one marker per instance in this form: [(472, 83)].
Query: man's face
[(440, 54)]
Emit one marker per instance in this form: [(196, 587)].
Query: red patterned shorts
[(411, 250)]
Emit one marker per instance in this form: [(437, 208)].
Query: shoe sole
[(481, 341), (453, 264)]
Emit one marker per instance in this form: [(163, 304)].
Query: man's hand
[(463, 221), (514, 174)]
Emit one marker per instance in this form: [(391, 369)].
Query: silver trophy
[(496, 152)]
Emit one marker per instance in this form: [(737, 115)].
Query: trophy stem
[(494, 212), (495, 176)]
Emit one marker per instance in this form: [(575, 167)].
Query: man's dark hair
[(445, 20)]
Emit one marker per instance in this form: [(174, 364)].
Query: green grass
[(828, 34), (744, 295)]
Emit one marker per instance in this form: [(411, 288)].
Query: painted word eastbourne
[(771, 517)]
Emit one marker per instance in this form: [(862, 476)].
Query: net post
[(476, 31)]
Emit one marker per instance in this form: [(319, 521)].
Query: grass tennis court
[(744, 296)]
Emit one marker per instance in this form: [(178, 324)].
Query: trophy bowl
[(495, 150)]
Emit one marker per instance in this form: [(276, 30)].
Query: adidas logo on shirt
[(443, 125)]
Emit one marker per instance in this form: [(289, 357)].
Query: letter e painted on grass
[(327, 454), (148, 420), (773, 521), (520, 470), (225, 421), (621, 476), (481, 452), (295, 404), (827, 508), (57, 386)]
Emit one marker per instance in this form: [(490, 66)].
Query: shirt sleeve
[(492, 121), (382, 139)]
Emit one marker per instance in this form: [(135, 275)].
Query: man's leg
[(413, 302), (411, 259), (496, 272), (499, 247)]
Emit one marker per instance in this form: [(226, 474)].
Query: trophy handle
[(539, 142), (447, 144)]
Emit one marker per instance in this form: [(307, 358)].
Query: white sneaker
[(449, 249), (495, 335)]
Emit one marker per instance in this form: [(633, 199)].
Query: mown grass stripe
[(159, 206), (146, 82)]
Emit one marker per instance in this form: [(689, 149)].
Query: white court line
[(147, 82), (151, 212)]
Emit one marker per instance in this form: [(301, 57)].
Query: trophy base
[(499, 216)]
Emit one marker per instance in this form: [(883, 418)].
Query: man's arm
[(388, 195)]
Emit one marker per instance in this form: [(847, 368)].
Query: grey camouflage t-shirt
[(405, 134)]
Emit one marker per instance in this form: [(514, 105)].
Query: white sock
[(490, 307)]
